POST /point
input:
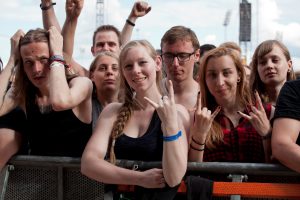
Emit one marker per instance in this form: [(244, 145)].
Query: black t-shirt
[(288, 102)]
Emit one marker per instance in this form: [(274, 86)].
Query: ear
[(158, 62), (197, 55), (92, 50), (290, 65)]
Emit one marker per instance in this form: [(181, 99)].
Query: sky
[(271, 19)]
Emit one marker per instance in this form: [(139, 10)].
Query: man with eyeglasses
[(180, 51)]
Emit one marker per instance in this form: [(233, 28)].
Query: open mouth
[(137, 80)]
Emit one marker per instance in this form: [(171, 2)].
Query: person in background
[(104, 72), (286, 126), (160, 136), (105, 37), (180, 51), (271, 68), (227, 126)]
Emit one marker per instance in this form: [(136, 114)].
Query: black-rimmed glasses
[(182, 57)]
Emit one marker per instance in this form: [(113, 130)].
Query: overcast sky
[(270, 19)]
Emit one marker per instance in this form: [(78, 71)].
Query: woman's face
[(273, 67), (106, 74), (222, 79), (139, 68), (35, 61)]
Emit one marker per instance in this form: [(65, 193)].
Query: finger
[(148, 9), (254, 109), (215, 113), (244, 115), (155, 105), (171, 91), (258, 101), (199, 101)]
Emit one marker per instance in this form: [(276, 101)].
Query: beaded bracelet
[(172, 137)]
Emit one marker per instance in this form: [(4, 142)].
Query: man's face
[(106, 41), (179, 59)]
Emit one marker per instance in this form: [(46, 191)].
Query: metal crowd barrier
[(59, 178)]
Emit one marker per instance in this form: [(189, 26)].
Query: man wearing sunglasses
[(180, 51)]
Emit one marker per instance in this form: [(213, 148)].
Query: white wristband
[(55, 64)]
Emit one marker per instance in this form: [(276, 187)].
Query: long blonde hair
[(215, 134), (130, 103)]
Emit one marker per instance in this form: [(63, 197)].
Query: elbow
[(173, 181), (277, 149), (85, 167), (60, 104)]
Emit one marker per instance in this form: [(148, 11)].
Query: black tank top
[(148, 147), (56, 133)]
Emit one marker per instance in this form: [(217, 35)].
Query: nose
[(220, 80), (109, 71), (136, 69), (175, 61), (37, 67), (270, 64), (105, 47)]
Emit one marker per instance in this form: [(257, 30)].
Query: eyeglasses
[(182, 57)]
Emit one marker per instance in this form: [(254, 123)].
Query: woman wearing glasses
[(227, 126)]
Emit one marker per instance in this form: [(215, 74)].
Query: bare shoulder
[(111, 109)]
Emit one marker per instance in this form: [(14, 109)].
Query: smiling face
[(222, 79), (273, 67), (35, 61), (139, 68)]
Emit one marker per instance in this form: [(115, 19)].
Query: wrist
[(130, 22), (267, 136), (46, 5)]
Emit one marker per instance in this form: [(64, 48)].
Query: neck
[(231, 107), (185, 86), (273, 92), (107, 97)]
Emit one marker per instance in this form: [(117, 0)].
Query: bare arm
[(64, 95), (73, 10), (10, 143), (94, 166), (49, 17), (6, 103), (139, 9), (284, 147)]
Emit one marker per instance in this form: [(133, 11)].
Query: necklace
[(45, 109)]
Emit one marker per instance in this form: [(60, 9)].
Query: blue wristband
[(172, 137)]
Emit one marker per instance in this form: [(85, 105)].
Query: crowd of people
[(209, 105)]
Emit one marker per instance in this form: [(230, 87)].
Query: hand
[(139, 9), (167, 111), (73, 8), (14, 45), (258, 117), (55, 41), (153, 178), (203, 119)]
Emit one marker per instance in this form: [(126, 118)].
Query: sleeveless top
[(57, 133), (148, 147)]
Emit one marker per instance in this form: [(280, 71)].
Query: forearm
[(288, 154), (49, 17), (103, 171), (4, 78), (127, 30), (267, 149), (175, 160), (58, 87), (68, 33)]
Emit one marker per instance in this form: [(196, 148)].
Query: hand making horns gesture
[(258, 117), (203, 119), (167, 110)]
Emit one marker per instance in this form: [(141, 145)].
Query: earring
[(239, 80)]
